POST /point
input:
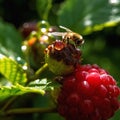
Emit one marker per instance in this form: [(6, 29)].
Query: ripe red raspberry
[(90, 93)]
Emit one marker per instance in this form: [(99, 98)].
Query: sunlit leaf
[(18, 90), (85, 16), (11, 70)]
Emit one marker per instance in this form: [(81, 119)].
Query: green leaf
[(11, 70), (43, 8), (10, 40), (39, 83), (45, 84), (85, 16), (17, 89)]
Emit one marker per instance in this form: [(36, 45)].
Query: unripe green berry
[(61, 57)]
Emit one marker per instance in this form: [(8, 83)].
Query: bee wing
[(67, 29), (58, 33)]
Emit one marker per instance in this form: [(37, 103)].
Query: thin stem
[(8, 104), (47, 10), (29, 110), (38, 72)]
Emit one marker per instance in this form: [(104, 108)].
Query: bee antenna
[(67, 29)]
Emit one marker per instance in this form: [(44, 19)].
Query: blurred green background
[(98, 21)]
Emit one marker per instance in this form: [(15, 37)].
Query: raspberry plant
[(78, 91), (46, 76)]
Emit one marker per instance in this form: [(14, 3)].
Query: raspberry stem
[(38, 72), (29, 110), (8, 104)]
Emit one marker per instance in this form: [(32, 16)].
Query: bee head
[(78, 39)]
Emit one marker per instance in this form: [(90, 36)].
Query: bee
[(69, 36)]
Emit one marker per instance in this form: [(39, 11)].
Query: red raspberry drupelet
[(90, 93)]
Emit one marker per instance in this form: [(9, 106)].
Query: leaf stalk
[(29, 110)]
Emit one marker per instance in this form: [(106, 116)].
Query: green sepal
[(58, 67)]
